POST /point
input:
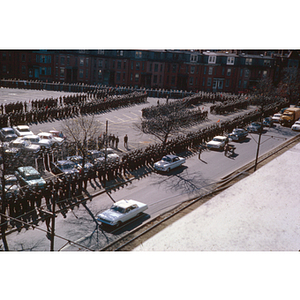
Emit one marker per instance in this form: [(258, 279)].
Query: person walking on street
[(125, 141), (199, 154), (117, 142)]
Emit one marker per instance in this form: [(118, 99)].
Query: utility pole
[(257, 151), (53, 224), (3, 219), (105, 158)]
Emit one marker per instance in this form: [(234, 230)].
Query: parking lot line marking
[(110, 121)]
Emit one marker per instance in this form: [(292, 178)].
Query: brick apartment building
[(231, 71)]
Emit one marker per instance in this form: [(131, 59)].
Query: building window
[(137, 65), (228, 72), (113, 64), (86, 73), (62, 72), (230, 60), (86, 62), (100, 51), (118, 76), (174, 68), (210, 70), (160, 78), (203, 82), (56, 71), (132, 65), (23, 57), (99, 74), (138, 54), (124, 64), (3, 56), (150, 67), (131, 76), (220, 84), (208, 81), (194, 57), (204, 72), (245, 84), (173, 80), (248, 61), (265, 73), (215, 84), (119, 52), (192, 69), (100, 63), (80, 73), (227, 82), (81, 62), (62, 60), (23, 69), (161, 67), (241, 73), (223, 71), (212, 59), (240, 83), (247, 72), (68, 60), (155, 79), (191, 80), (119, 64), (266, 62), (155, 67)]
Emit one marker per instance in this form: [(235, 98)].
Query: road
[(160, 191)]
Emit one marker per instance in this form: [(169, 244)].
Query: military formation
[(66, 191)]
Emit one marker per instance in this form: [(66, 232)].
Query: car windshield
[(8, 132), (67, 166), (32, 176), (10, 182), (23, 130), (217, 140), (167, 159), (118, 209)]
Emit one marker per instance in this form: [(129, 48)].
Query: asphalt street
[(160, 191)]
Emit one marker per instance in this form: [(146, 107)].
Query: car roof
[(23, 126), (220, 137), (65, 161), (6, 128), (28, 169), (171, 156), (125, 203)]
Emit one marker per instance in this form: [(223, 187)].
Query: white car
[(296, 126), (169, 162), (218, 142), (22, 130), (121, 211), (276, 118), (50, 139), (111, 155), (36, 140)]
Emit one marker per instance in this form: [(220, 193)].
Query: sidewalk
[(259, 213)]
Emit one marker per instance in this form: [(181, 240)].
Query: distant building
[(231, 71)]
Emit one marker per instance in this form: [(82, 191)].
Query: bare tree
[(163, 124), (80, 131), (289, 87)]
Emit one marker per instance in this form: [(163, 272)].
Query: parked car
[(30, 176), (24, 145), (121, 212), (95, 157), (169, 162), (11, 185), (238, 134), (22, 130), (78, 160), (66, 167), (111, 155), (254, 127), (296, 126), (276, 118), (218, 142), (268, 121), (7, 134), (49, 138), (36, 140)]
